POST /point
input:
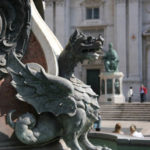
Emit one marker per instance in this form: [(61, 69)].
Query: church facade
[(125, 23)]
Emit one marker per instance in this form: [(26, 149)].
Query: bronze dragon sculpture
[(65, 106)]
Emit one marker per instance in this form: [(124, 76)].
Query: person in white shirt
[(130, 94), (135, 133)]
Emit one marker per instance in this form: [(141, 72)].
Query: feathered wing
[(45, 92)]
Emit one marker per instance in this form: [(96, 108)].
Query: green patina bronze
[(111, 60), (66, 107), (15, 27)]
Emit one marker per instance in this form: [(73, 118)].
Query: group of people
[(143, 92), (133, 130), (118, 129)]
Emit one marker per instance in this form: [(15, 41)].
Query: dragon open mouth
[(93, 50), (93, 55)]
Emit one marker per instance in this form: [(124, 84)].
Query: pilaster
[(134, 39), (49, 13), (120, 33), (92, 2), (59, 3), (120, 1), (67, 20), (60, 20)]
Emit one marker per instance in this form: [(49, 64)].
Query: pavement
[(142, 126)]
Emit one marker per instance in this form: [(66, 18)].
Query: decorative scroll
[(14, 29)]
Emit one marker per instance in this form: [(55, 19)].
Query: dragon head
[(85, 47), (79, 48)]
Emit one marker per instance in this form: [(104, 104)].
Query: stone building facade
[(125, 23)]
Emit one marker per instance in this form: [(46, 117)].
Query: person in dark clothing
[(97, 124), (143, 92)]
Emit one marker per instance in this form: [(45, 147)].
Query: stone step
[(129, 106), (144, 107), (127, 119), (132, 117), (125, 116), (121, 115), (127, 111)]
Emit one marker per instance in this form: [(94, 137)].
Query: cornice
[(124, 1), (48, 2), (92, 2), (58, 2), (146, 33), (120, 1)]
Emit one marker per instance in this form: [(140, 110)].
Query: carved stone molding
[(92, 2), (49, 2), (148, 45), (15, 30), (147, 42), (147, 8), (146, 33), (124, 1), (120, 1), (58, 2)]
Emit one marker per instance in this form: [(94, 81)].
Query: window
[(92, 13)]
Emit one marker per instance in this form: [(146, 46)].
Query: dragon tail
[(9, 119)]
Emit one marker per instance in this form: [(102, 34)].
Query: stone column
[(49, 14), (67, 20), (134, 40), (120, 33), (108, 19)]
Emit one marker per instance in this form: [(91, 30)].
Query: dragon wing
[(45, 92)]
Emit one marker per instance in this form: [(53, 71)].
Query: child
[(130, 94)]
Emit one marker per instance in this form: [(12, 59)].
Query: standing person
[(143, 92), (97, 124), (130, 94)]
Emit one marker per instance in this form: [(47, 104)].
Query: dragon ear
[(74, 36)]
